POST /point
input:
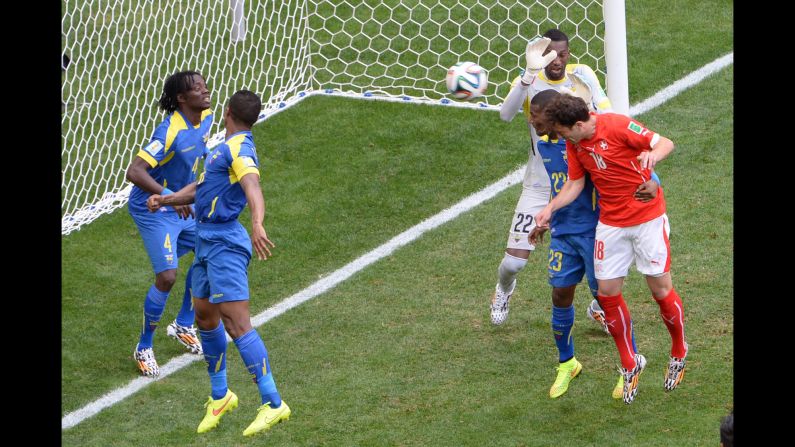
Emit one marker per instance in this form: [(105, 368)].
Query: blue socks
[(214, 347), (562, 322), (186, 314), (153, 309), (255, 357)]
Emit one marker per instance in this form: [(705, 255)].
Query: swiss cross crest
[(603, 145)]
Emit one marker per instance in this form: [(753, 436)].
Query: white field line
[(406, 237), (682, 85)]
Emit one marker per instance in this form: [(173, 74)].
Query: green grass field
[(403, 353)]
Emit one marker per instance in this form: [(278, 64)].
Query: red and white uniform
[(628, 229)]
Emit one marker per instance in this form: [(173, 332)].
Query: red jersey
[(610, 156)]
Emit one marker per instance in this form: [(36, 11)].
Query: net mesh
[(120, 52)]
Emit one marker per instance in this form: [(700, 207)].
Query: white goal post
[(121, 51)]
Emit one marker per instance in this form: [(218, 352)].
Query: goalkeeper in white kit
[(547, 68)]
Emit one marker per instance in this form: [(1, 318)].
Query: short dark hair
[(566, 110), (175, 84), (245, 106), (542, 98), (556, 35), (727, 430)]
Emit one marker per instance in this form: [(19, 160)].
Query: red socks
[(673, 315), (619, 323)]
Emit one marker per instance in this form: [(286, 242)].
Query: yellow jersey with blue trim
[(219, 196), (173, 153), (579, 80)]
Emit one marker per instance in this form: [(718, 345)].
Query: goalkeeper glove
[(535, 61)]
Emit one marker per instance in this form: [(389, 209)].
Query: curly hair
[(175, 84)]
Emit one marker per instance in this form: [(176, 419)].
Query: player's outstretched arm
[(184, 196), (570, 191), (513, 102), (259, 238)]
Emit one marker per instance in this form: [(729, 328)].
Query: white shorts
[(647, 244), (531, 202)]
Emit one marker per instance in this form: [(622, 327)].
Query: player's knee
[(563, 296), (660, 286), (518, 253), (235, 327), (512, 264), (165, 280)]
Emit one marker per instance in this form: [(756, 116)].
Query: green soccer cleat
[(216, 409), (618, 391), (566, 371), (267, 417)]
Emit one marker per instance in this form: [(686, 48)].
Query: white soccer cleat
[(675, 372), (500, 302), (146, 361), (596, 314), (186, 336), (631, 378)]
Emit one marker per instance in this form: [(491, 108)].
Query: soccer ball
[(467, 80)]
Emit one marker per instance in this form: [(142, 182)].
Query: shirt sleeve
[(599, 98), (244, 163), (576, 170), (154, 152), (634, 134), (515, 100)]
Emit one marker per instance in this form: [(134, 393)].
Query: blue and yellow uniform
[(173, 153), (572, 227), (223, 247)]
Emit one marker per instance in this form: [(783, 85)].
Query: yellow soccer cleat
[(216, 409), (267, 417), (566, 371), (618, 391)]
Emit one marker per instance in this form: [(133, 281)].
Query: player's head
[(727, 430), (570, 118), (185, 90), (244, 107), (560, 43), (538, 119)]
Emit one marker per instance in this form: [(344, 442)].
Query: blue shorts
[(163, 234), (571, 256), (220, 268)]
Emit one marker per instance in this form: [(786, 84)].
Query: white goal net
[(121, 51)]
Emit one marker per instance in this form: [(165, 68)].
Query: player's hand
[(536, 60), (260, 241), (537, 235), (153, 203), (184, 211), (542, 218), (646, 191), (648, 159)]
